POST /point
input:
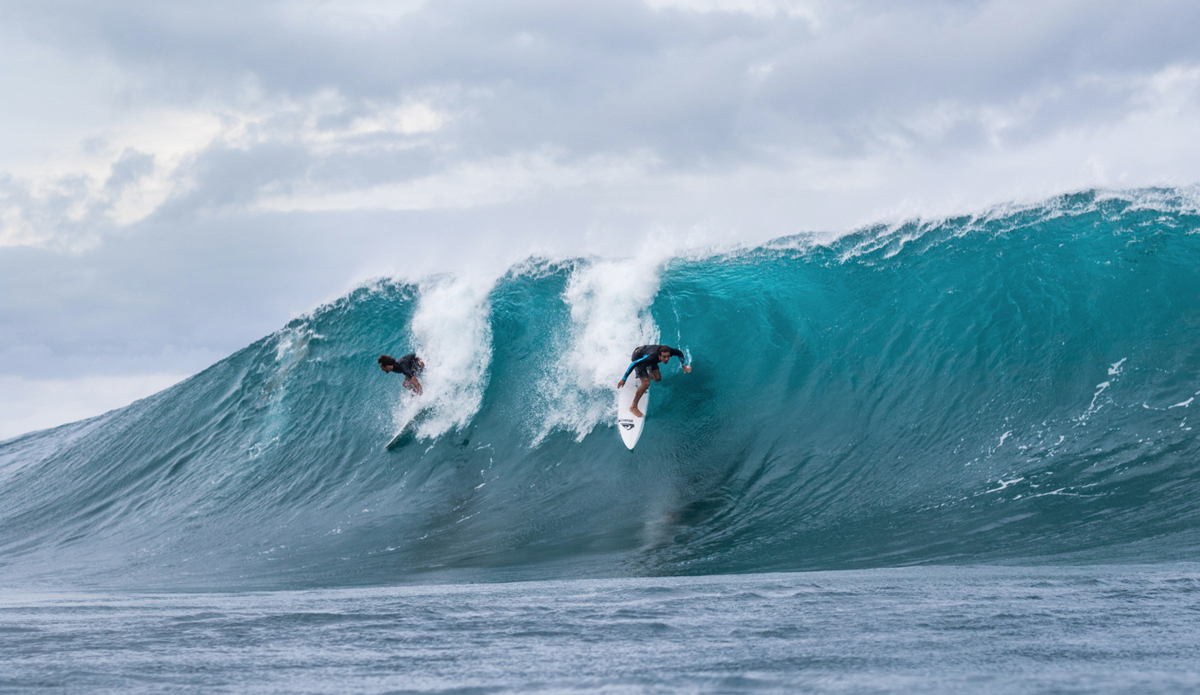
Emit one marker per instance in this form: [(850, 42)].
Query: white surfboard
[(629, 424)]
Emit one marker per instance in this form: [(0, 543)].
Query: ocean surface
[(911, 630), (929, 456)]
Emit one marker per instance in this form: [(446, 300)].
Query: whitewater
[(919, 424)]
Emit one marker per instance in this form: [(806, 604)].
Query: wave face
[(1018, 386)]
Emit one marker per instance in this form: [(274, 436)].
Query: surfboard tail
[(628, 424)]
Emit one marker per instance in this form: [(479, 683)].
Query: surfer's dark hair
[(386, 361), (663, 348)]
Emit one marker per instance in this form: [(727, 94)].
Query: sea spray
[(452, 335), (610, 315)]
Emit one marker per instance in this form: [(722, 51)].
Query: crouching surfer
[(409, 365), (645, 361)]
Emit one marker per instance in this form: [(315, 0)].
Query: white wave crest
[(453, 336), (610, 316)]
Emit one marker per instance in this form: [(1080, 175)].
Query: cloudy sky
[(180, 179)]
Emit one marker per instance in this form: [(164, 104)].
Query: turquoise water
[(1012, 387), (1006, 400)]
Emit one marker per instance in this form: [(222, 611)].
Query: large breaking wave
[(1017, 386)]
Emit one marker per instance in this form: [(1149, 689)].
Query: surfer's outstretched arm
[(682, 360), (621, 383)]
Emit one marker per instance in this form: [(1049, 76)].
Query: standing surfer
[(646, 360), (409, 365)]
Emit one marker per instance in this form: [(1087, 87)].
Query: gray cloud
[(618, 76), (68, 206)]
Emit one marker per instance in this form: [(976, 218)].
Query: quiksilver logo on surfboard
[(627, 425)]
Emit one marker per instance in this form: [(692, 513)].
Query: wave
[(1013, 386)]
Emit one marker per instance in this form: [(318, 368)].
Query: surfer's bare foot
[(633, 409)]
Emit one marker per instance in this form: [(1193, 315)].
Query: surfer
[(409, 365), (646, 360)]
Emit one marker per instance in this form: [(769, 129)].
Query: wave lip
[(1015, 386)]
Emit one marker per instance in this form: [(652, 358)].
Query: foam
[(897, 230), (452, 334), (610, 316)]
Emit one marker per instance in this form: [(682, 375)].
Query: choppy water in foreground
[(1101, 629)]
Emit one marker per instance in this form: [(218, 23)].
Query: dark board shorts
[(643, 370)]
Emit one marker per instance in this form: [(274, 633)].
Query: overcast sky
[(180, 179)]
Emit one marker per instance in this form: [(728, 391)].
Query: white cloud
[(474, 184), (405, 119), (47, 202), (350, 15), (808, 9)]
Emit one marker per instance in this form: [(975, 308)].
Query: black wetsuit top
[(408, 365), (645, 359)]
